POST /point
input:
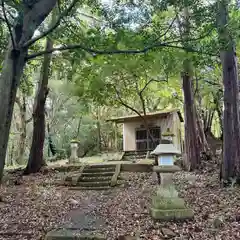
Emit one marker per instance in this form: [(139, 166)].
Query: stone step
[(94, 184), (102, 166), (135, 152), (97, 174), (95, 170), (95, 178), (69, 178), (131, 155), (138, 157), (99, 188)]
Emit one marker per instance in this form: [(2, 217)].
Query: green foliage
[(109, 79), (86, 89)]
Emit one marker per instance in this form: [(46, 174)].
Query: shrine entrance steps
[(94, 177), (136, 155)]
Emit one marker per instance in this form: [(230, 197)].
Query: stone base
[(173, 214), (69, 234), (166, 205)]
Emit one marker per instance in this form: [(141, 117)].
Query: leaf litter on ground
[(38, 205)]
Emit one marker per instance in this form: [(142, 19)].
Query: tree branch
[(91, 17), (137, 112), (143, 117), (150, 81), (3, 19), (35, 15), (57, 108), (95, 52), (143, 103), (55, 25), (139, 93), (126, 105), (179, 99), (167, 30), (8, 25), (212, 83)]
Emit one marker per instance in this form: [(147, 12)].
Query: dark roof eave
[(122, 119)]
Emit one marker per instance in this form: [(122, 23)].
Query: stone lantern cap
[(163, 149)]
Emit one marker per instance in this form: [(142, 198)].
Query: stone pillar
[(166, 204), (74, 156)]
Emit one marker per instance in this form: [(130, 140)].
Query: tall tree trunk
[(36, 160), (219, 111), (79, 127), (99, 142), (231, 133), (202, 141), (23, 129), (192, 152), (202, 119), (13, 66), (9, 82), (52, 149), (11, 155), (233, 74), (98, 130), (229, 151), (207, 120)]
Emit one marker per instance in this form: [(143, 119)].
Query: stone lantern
[(165, 154), (166, 205), (74, 148)]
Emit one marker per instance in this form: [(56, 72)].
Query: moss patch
[(167, 203), (171, 214)]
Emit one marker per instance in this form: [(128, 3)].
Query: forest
[(66, 67)]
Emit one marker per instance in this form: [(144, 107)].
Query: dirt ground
[(35, 205)]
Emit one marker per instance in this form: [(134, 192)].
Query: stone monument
[(166, 204), (74, 155)]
